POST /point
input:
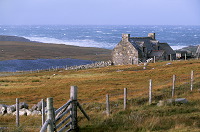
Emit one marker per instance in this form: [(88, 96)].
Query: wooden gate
[(66, 112)]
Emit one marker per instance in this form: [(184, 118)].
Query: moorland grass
[(94, 84)]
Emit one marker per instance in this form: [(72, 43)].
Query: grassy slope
[(94, 84), (29, 50)]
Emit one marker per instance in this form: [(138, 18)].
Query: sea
[(104, 36)]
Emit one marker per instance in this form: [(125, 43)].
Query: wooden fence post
[(150, 92), (154, 59), (107, 105), (170, 57), (43, 111), (192, 79), (125, 98), (173, 85), (73, 112), (50, 114), (185, 56), (17, 112)]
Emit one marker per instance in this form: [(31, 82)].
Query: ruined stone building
[(132, 50)]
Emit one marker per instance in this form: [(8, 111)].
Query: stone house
[(132, 50)]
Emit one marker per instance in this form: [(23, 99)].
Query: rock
[(168, 63), (28, 112), (169, 101), (23, 105), (3, 109), (161, 103), (181, 100), (36, 112), (11, 109), (38, 106), (104, 113), (172, 101), (22, 112)]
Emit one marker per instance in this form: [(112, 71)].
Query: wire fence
[(161, 90)]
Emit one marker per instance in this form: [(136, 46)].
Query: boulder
[(172, 101), (28, 112), (21, 112), (168, 63), (38, 106), (11, 109), (181, 100), (36, 112), (23, 105), (161, 103), (3, 109)]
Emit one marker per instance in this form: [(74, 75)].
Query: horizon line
[(98, 25)]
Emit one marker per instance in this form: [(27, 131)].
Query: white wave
[(83, 42), (177, 47), (77, 42), (107, 33)]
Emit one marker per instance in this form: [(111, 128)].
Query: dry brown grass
[(30, 50), (94, 84)]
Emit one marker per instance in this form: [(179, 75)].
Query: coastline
[(21, 54), (12, 50)]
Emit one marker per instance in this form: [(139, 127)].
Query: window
[(143, 49)]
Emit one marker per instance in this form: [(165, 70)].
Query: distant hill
[(13, 38), (189, 49), (13, 47)]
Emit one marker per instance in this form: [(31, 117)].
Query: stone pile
[(23, 109), (172, 101), (89, 66)]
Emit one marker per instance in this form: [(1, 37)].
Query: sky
[(99, 12)]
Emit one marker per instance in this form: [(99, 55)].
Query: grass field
[(94, 84)]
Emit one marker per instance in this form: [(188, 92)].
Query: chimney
[(152, 35), (125, 37)]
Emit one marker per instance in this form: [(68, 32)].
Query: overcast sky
[(100, 12)]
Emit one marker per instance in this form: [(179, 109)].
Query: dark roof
[(151, 45), (156, 53), (147, 41), (167, 48)]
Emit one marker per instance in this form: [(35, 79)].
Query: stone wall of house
[(124, 54)]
